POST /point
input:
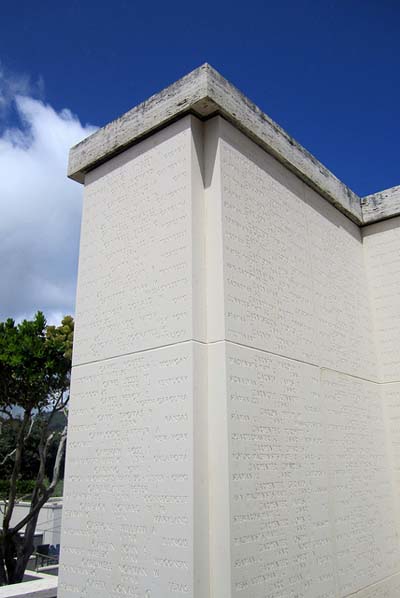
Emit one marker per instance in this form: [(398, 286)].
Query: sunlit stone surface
[(236, 382)]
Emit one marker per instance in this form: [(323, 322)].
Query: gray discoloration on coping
[(205, 93), (382, 205)]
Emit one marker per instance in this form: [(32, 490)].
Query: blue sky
[(327, 71)]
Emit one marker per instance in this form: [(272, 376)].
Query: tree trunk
[(12, 545), (27, 546), (15, 473), (25, 551), (15, 553), (17, 549), (3, 572)]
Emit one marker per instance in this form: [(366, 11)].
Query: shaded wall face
[(295, 281), (309, 462), (311, 495), (228, 435), (382, 245), (382, 251)]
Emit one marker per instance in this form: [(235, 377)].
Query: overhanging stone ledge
[(205, 93), (381, 205)]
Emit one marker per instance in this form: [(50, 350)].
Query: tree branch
[(10, 454), (5, 411), (15, 472), (48, 491), (59, 456)]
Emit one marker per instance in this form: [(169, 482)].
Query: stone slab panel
[(361, 485), (139, 285), (391, 393), (135, 506), (388, 588), (311, 495), (295, 282), (280, 517), (382, 251)]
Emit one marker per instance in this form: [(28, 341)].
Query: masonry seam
[(192, 340)]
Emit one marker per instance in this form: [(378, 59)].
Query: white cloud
[(14, 84), (40, 210)]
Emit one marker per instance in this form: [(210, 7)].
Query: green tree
[(35, 365)]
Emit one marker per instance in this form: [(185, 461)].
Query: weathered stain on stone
[(382, 205), (205, 93)]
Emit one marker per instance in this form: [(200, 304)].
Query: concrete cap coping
[(205, 93), (50, 504), (42, 586), (382, 205)]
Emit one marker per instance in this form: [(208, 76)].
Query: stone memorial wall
[(236, 381)]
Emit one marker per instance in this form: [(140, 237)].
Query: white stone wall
[(388, 588), (136, 506), (382, 247), (295, 282), (40, 585), (310, 486), (131, 512), (308, 459), (382, 253), (229, 432), (136, 287)]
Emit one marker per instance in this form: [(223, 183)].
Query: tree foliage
[(35, 363)]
